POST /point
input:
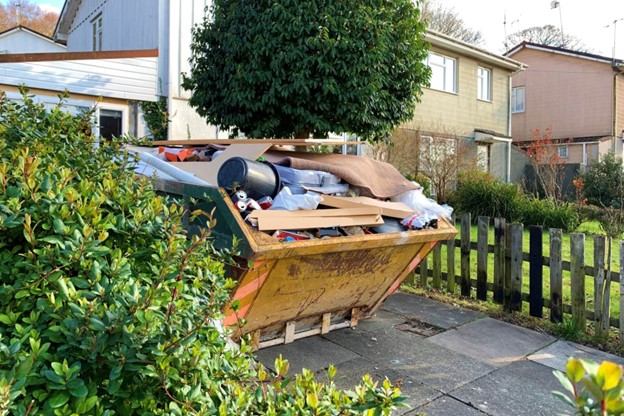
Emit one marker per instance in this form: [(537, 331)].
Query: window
[(443, 72), (484, 84), (97, 32), (562, 151), (517, 100), (110, 124)]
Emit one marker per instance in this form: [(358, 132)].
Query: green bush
[(603, 182), (481, 195), (107, 307)]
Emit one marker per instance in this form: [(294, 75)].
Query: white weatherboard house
[(20, 39), (130, 25)]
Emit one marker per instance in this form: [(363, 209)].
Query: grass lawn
[(590, 229)]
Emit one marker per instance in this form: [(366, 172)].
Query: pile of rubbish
[(296, 196)]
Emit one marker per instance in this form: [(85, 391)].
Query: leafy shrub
[(595, 389), (481, 195), (107, 307), (603, 182), (550, 214)]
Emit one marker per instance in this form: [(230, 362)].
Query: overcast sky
[(581, 18)]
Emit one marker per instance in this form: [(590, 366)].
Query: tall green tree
[(278, 68)]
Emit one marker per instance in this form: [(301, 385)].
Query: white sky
[(584, 19), (581, 18)]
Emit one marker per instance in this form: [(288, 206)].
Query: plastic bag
[(286, 200), (417, 201)]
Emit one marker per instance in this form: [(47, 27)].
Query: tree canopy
[(548, 35), (26, 13), (288, 69), (447, 21)]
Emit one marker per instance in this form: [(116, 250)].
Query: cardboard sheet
[(319, 218), (388, 208)]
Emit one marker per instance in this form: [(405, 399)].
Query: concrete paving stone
[(429, 311), (493, 342), (556, 355), (446, 406), (313, 353), (434, 366), (417, 393), (381, 321), (350, 373), (518, 389)]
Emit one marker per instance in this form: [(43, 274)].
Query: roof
[(446, 42), (21, 28), (563, 51), (68, 13)]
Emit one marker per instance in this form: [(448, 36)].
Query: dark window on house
[(110, 124)]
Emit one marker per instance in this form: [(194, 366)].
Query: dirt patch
[(420, 328)]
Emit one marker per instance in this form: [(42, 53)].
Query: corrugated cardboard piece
[(388, 209), (319, 218)]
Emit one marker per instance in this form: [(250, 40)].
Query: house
[(20, 39), (114, 82), (468, 97), (578, 95), (162, 25)]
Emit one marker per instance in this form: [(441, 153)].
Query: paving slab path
[(450, 360)]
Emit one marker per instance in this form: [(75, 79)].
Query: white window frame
[(563, 151), (97, 25), (517, 105), (484, 83), (447, 68)]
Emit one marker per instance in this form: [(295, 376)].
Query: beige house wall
[(619, 128), (571, 95), (461, 113)]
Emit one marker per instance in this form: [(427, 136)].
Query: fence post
[(556, 277), (424, 272), (599, 283), (516, 267), (507, 275), (622, 291), (536, 269), (450, 266), (577, 279), (465, 254), (482, 257), (437, 266), (499, 259)]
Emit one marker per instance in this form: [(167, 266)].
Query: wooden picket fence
[(506, 285)]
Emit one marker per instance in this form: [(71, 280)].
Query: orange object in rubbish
[(177, 155)]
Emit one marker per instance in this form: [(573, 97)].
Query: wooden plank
[(507, 275), (536, 272), (437, 266), (516, 267), (499, 259), (606, 300), (577, 279), (255, 340), (289, 335), (599, 283), (556, 277), (278, 142), (355, 317), (295, 223), (465, 254), (424, 272), (450, 266), (388, 208), (307, 213), (482, 257), (326, 323), (621, 292)]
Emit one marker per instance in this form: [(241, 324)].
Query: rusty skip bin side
[(301, 288), (303, 281)]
